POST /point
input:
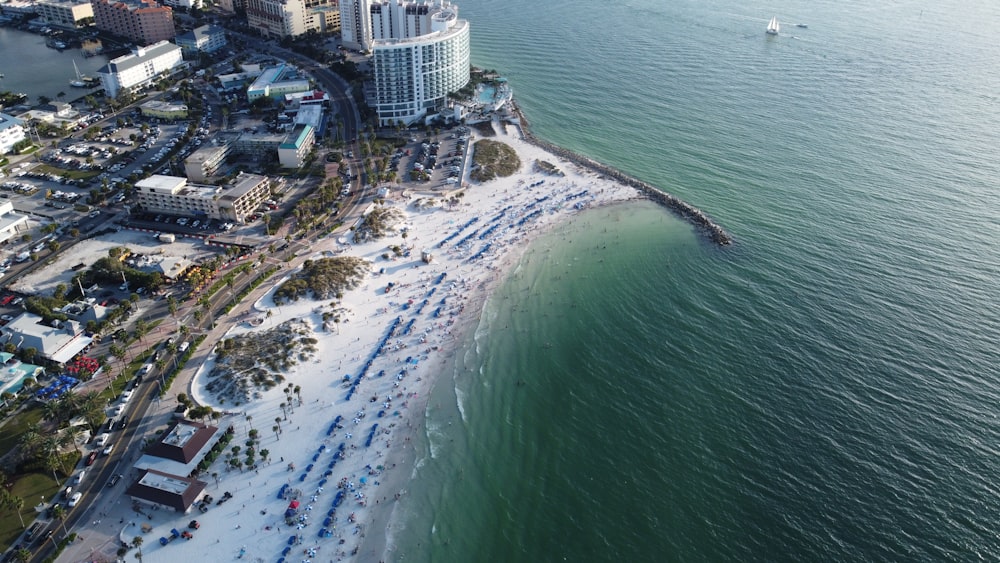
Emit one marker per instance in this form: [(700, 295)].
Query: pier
[(685, 210)]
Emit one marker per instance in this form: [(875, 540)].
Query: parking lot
[(438, 163)]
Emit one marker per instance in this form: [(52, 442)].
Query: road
[(148, 412)]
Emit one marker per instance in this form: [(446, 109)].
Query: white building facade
[(71, 14), (291, 18), (355, 24), (420, 54), (11, 132), (140, 67)]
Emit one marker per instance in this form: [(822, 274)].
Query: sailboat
[(80, 81), (772, 26)]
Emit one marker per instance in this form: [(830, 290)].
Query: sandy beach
[(343, 449)]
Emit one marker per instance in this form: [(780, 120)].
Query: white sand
[(253, 520)]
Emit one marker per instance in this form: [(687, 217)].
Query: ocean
[(827, 388)]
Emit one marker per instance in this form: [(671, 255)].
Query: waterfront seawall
[(686, 211)]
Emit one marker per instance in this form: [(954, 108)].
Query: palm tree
[(22, 555), (284, 408), (298, 393), (59, 513), (29, 442), (277, 420), (137, 543), (264, 454), (10, 501), (172, 350), (141, 329), (69, 437), (118, 351), (53, 411), (51, 457), (276, 430)]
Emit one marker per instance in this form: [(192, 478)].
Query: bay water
[(29, 67), (827, 389)]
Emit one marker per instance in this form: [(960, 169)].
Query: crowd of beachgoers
[(340, 450)]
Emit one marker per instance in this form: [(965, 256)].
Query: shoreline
[(684, 210), (400, 328)]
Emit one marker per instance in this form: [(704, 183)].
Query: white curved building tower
[(420, 54)]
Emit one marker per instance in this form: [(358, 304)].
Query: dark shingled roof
[(180, 502), (186, 452)]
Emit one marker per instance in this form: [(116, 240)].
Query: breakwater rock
[(686, 211)]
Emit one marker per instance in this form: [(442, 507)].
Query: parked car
[(91, 458), (114, 479), (73, 500)]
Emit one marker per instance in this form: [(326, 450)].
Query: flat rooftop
[(166, 483)]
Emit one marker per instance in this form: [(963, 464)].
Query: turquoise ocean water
[(827, 389)]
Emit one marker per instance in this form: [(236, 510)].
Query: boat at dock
[(82, 80)]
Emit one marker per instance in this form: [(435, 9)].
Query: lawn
[(11, 432), (31, 487), (73, 174)]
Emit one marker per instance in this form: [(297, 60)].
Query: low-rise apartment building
[(174, 195), (204, 39), (11, 132)]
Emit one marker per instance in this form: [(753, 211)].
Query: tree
[(117, 351), (137, 543), (10, 501), (141, 329), (264, 454), (22, 555), (69, 437), (59, 513), (29, 353), (276, 430)]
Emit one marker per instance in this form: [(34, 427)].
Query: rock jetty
[(686, 211)]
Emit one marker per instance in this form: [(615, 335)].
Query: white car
[(74, 499), (107, 450)]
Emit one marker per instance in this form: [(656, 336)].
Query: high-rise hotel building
[(420, 53), (143, 21)]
